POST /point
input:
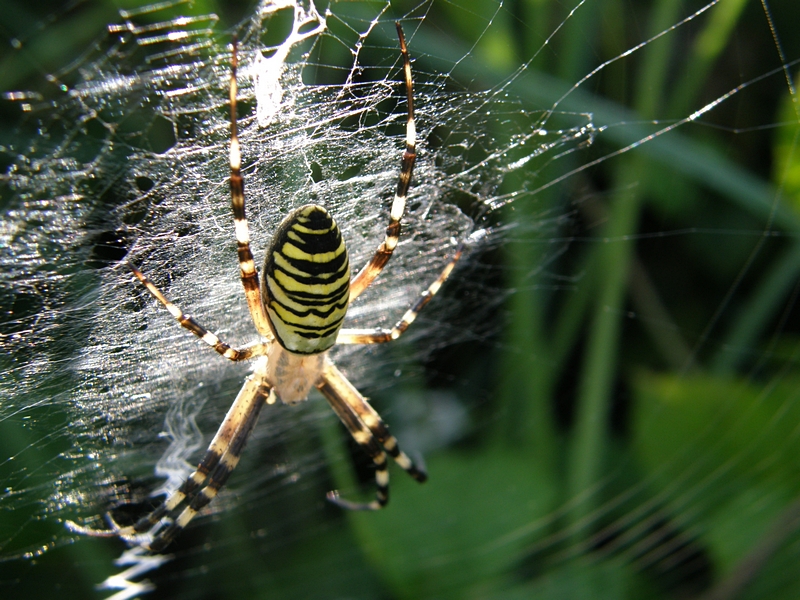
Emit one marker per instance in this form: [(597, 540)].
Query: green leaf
[(723, 454), (464, 530)]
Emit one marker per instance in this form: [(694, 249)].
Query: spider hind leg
[(369, 431), (156, 530)]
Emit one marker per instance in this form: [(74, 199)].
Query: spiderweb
[(689, 484)]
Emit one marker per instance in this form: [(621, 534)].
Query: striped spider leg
[(362, 421), (223, 452), (298, 309), (373, 268)]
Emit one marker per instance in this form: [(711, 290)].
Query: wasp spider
[(298, 310)]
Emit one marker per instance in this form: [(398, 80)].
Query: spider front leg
[(373, 268), (247, 266), (369, 431)]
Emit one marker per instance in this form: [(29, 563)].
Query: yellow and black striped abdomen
[(306, 283)]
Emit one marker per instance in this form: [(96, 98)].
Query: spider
[(298, 309)]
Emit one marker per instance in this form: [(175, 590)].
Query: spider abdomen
[(306, 283)]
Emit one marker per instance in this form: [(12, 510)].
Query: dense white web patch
[(267, 72)]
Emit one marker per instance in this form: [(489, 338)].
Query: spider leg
[(373, 268), (187, 322), (379, 336), (212, 472), (369, 431), (247, 266), (366, 440)]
